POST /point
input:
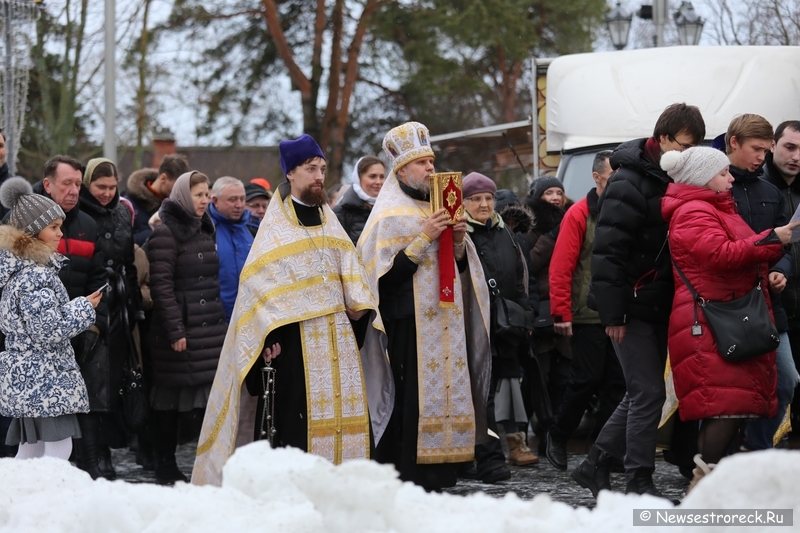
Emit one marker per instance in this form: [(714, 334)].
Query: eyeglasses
[(682, 145), (480, 199)]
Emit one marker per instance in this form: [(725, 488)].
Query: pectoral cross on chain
[(322, 268)]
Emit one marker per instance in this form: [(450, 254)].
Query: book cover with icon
[(446, 193)]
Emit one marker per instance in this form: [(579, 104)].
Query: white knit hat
[(694, 166)]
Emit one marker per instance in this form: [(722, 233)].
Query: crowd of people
[(372, 327)]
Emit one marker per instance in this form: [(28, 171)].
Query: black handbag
[(134, 404), (742, 327), (134, 407), (510, 322)]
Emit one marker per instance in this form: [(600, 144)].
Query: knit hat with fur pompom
[(29, 212), (694, 166)]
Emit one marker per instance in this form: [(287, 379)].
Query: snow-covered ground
[(286, 490)]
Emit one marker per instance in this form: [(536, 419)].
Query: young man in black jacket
[(762, 206), (632, 289), (782, 168)]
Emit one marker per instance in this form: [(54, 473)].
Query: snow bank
[(287, 491)]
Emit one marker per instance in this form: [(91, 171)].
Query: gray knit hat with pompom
[(29, 212)]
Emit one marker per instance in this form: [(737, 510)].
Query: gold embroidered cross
[(430, 314), (352, 400), (427, 261), (447, 291), (461, 364), (316, 335), (322, 402), (433, 365)]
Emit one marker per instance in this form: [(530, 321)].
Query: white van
[(596, 101)]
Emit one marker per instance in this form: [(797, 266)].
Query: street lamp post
[(619, 25), (689, 23)]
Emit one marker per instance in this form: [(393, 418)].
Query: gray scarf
[(182, 193)]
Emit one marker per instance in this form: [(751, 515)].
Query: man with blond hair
[(747, 142)]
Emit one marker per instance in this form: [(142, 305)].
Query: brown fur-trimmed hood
[(136, 189), (518, 217), (24, 246), (19, 250)]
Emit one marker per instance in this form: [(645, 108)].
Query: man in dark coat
[(147, 188), (82, 275), (762, 206), (594, 367), (632, 289), (781, 168)]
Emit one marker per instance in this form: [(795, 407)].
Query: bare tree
[(753, 22)]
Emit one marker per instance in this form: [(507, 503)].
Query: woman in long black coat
[(99, 198), (189, 325)]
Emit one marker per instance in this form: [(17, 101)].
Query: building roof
[(242, 162)]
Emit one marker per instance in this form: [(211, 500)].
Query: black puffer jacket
[(789, 265), (763, 207), (631, 270), (352, 213), (183, 283), (124, 300)]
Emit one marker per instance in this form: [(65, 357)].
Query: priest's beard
[(419, 182), (311, 196)]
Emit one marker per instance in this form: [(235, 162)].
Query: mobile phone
[(104, 287)]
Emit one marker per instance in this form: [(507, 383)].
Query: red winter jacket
[(718, 253), (571, 264)]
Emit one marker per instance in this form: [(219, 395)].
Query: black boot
[(144, 455), (642, 483), (104, 463), (165, 441), (87, 444), (556, 451), (593, 472)]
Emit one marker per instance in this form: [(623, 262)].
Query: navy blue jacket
[(233, 246)]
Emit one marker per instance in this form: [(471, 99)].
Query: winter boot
[(518, 452), (593, 472), (556, 451), (700, 471), (165, 440), (104, 462), (642, 483), (87, 444)]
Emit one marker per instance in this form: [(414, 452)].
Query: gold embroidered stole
[(452, 366), (338, 425)]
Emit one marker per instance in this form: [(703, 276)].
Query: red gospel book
[(446, 193)]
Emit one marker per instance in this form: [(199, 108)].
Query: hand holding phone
[(104, 287)]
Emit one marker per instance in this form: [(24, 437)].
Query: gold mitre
[(406, 143)]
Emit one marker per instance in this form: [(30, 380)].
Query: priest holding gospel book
[(435, 305)]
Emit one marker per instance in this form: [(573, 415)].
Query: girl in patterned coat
[(40, 384)]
